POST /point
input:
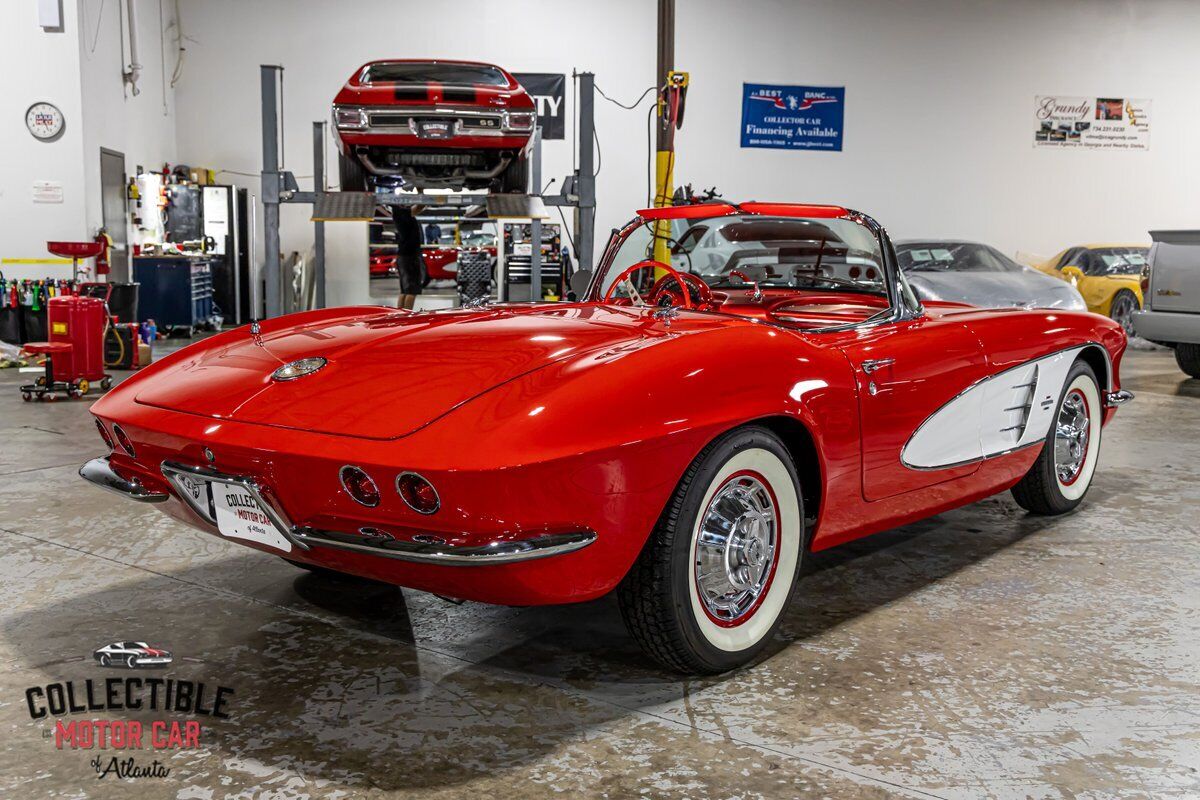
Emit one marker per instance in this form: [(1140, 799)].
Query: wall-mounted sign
[(792, 117), (1110, 123), (47, 192), (548, 91)]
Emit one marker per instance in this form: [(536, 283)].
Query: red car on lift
[(440, 262), (433, 124), (683, 439)]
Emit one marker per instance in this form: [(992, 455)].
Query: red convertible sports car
[(683, 441), (433, 124)]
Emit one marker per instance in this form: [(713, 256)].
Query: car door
[(906, 372)]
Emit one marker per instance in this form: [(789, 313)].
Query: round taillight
[(417, 493), (855, 272), (870, 274), (359, 486), (104, 434), (123, 440)]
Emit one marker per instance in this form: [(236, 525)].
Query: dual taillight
[(416, 492), (121, 437), (104, 434)]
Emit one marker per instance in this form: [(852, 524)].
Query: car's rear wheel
[(351, 176), (131, 662), (1187, 356), (515, 179), (710, 587), (1062, 474), (1124, 303)]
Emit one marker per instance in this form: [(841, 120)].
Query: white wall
[(938, 137), (79, 70), (939, 112), (38, 66), (141, 126)]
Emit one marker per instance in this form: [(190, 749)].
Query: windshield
[(953, 257), (451, 74), (1115, 260), (774, 252)]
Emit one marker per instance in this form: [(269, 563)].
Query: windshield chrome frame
[(897, 311)]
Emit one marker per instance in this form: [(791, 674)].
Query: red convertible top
[(725, 209)]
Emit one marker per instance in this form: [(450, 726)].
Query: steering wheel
[(703, 293), (657, 289)]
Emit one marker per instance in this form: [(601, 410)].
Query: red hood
[(387, 375), (382, 93)]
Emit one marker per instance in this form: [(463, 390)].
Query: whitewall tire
[(712, 584), (1063, 472)]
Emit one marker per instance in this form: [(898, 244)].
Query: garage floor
[(979, 654)]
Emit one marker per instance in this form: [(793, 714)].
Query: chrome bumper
[(368, 541), (1114, 399), (500, 552), (100, 473)]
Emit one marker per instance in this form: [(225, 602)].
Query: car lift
[(578, 191)]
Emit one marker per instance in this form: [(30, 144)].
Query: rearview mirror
[(1072, 272), (580, 281)]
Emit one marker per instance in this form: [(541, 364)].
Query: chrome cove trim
[(172, 471), (99, 472), (499, 552), (1118, 398)]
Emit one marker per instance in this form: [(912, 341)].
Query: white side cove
[(1009, 410)]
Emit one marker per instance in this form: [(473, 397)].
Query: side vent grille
[(1023, 397)]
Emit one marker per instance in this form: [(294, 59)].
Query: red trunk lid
[(386, 375)]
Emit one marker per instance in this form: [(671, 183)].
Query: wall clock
[(44, 121)]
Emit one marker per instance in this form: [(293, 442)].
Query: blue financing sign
[(792, 117)]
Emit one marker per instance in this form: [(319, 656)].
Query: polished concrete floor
[(982, 653)]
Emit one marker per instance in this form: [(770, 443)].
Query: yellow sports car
[(1107, 275)]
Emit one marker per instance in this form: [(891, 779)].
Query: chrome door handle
[(874, 364)]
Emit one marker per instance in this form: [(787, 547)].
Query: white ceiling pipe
[(133, 70)]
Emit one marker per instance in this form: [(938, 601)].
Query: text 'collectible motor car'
[(682, 439), (433, 124)]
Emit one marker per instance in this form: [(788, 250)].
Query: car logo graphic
[(132, 655)]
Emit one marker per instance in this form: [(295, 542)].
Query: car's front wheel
[(710, 587), (1062, 474), (105, 660)]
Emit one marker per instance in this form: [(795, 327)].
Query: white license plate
[(523, 249), (239, 516)]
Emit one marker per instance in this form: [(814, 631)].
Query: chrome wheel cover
[(1071, 437), (736, 549)]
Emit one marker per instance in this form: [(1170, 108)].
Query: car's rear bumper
[(366, 540), (1167, 326)]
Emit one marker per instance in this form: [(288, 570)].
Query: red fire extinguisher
[(102, 258)]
